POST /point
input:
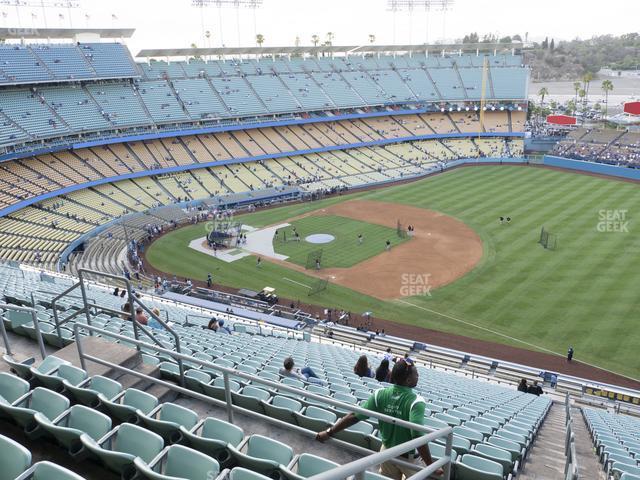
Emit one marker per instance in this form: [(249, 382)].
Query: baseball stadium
[(332, 261)]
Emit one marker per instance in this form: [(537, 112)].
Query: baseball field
[(463, 271)]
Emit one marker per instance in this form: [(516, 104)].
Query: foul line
[(512, 338), (297, 283), (480, 327)]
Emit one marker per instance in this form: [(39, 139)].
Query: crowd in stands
[(609, 147)]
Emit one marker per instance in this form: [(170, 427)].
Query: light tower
[(413, 5), (220, 4), (44, 5)]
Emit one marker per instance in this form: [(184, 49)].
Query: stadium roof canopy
[(64, 33), (324, 49)]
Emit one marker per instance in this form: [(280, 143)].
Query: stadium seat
[(357, 434), (282, 408), (472, 467), (166, 420), (48, 471), (250, 398), (14, 458), (125, 406), (212, 437), (618, 468), (39, 400), (305, 466), (122, 445), (503, 457), (94, 390), (178, 461), (240, 473), (56, 379), (315, 418), (261, 454), (72, 424), (12, 388), (20, 368), (516, 451)]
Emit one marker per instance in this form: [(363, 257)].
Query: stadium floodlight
[(42, 4), (220, 4), (426, 5)]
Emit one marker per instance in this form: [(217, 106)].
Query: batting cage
[(318, 286), (224, 234), (314, 260), (548, 239)]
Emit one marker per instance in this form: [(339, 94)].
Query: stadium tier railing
[(571, 463), (356, 467), (132, 300), (34, 318)]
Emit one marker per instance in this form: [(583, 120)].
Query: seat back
[(50, 363), (320, 413), (49, 403), (139, 400), (310, 465), (92, 422), (286, 402), (184, 462), (170, 412), (51, 471), (268, 449), (221, 430), (71, 374), (240, 473), (12, 387), (14, 458), (107, 387), (472, 467), (138, 442)]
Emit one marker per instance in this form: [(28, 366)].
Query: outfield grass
[(344, 251), (583, 294)]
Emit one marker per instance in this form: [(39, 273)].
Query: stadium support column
[(483, 97)]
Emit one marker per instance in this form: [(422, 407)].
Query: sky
[(177, 23)]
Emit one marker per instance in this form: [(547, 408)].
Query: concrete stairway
[(546, 459)]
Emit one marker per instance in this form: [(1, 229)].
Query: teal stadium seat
[(14, 458), (471, 467), (212, 437), (262, 454), (178, 461), (118, 449)]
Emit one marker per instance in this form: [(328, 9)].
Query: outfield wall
[(592, 167)]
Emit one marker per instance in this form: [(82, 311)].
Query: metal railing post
[(85, 300), (227, 397), (36, 326), (447, 451), (5, 338)]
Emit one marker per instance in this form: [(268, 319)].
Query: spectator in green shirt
[(399, 401)]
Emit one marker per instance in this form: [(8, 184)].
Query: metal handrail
[(36, 326), (132, 299), (571, 464), (227, 372)]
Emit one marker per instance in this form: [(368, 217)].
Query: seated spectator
[(141, 318), (362, 367), (116, 292), (126, 309), (388, 355), (522, 386), (152, 322), (383, 372), (306, 374), (213, 324), (222, 328), (535, 389)]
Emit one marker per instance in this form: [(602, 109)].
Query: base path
[(441, 250)]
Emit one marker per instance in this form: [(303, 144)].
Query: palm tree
[(315, 39), (372, 38), (576, 87), (259, 39), (543, 92), (607, 86), (586, 80), (330, 37)]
